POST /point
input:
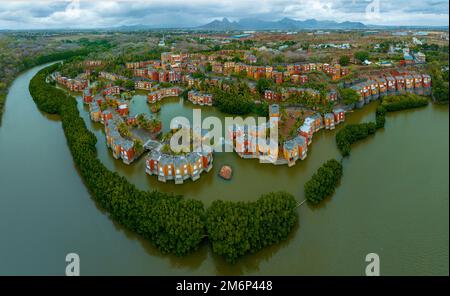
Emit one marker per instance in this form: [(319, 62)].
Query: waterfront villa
[(401, 83), (105, 116), (382, 86), (178, 168), (317, 122), (113, 90), (87, 96), (122, 109), (426, 82), (143, 84), (200, 98), (339, 115), (121, 147), (295, 149), (391, 85), (409, 83), (329, 121), (77, 84), (307, 130), (374, 89), (95, 112), (127, 151), (158, 95), (418, 83)]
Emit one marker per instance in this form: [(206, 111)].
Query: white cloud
[(28, 14)]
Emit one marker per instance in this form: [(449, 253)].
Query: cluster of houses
[(77, 84), (199, 98), (159, 75), (93, 63), (122, 148), (172, 65), (250, 142), (110, 76), (297, 147), (246, 140), (335, 71), (293, 72), (393, 83), (316, 122), (176, 167), (285, 93), (121, 105), (196, 82), (143, 64), (168, 69), (143, 84), (413, 58), (159, 94)]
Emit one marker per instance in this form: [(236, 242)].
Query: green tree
[(263, 84), (323, 182), (344, 61), (362, 56), (129, 84), (349, 96), (208, 67)]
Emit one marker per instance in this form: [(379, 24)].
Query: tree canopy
[(324, 181), (344, 61), (362, 56)]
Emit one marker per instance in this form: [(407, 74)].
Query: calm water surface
[(393, 200)]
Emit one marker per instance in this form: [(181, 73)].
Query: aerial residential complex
[(128, 137), (201, 138)]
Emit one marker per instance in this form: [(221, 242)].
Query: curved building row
[(392, 84), (177, 167)]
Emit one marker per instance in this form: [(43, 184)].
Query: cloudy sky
[(41, 14)]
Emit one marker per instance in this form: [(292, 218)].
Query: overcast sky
[(41, 14)]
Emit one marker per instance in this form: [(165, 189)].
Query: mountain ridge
[(283, 24)]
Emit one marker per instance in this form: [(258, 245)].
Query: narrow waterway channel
[(393, 200)]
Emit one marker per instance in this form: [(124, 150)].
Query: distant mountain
[(283, 24), (223, 25)]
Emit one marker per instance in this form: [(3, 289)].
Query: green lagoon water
[(393, 200)]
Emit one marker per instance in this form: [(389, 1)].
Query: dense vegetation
[(439, 81), (344, 61), (237, 228), (263, 84), (32, 60), (348, 95), (56, 56), (173, 224), (362, 56), (407, 101), (323, 182), (352, 133), (234, 101)]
